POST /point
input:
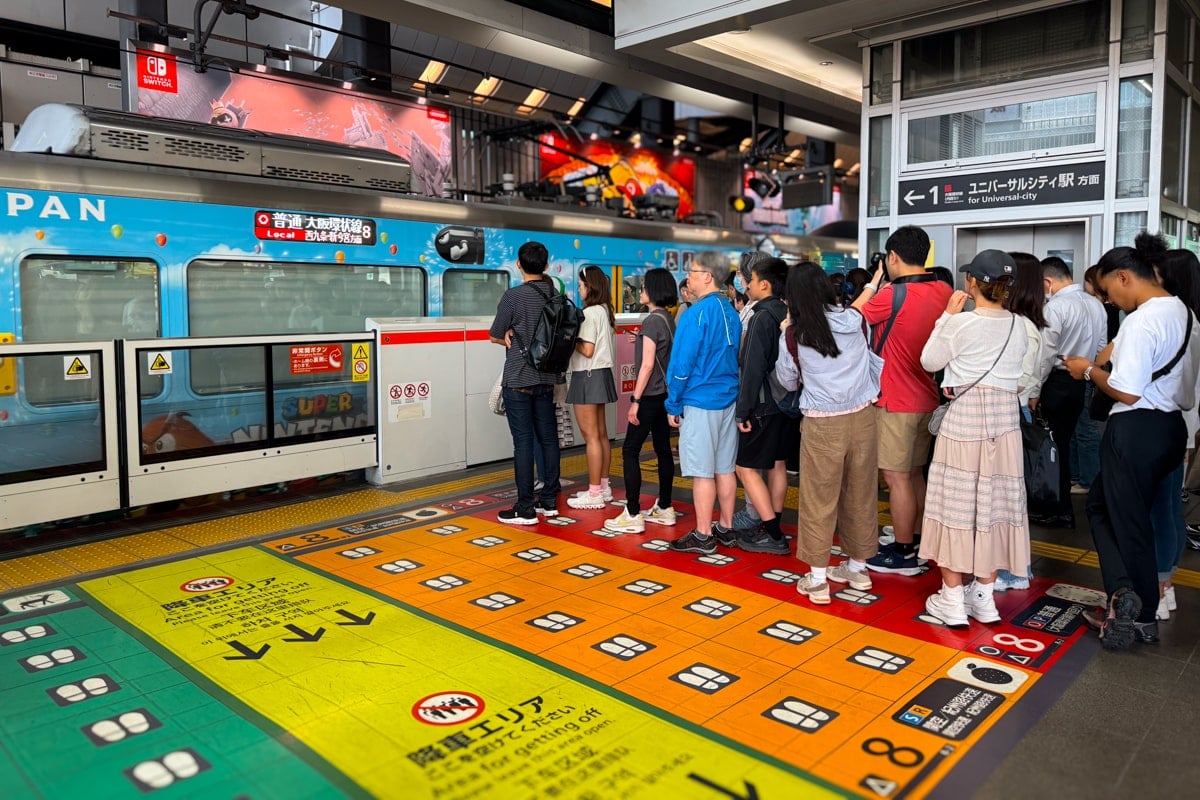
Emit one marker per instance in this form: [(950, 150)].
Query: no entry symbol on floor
[(448, 708)]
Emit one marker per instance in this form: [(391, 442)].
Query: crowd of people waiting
[(857, 357)]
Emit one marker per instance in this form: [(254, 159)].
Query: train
[(117, 226)]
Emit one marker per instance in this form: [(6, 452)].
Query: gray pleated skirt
[(592, 386)]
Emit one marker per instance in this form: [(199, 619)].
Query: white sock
[(856, 565), (952, 592), (818, 574)]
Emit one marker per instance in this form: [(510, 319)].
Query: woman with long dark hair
[(592, 385), (1153, 378), (975, 520), (1179, 273), (824, 352), (1026, 299), (647, 409)]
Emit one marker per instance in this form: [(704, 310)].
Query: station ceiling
[(716, 66)]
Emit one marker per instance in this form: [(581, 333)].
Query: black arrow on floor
[(356, 620), (303, 635), (247, 653)]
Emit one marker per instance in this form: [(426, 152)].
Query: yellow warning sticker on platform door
[(77, 368), (393, 699), (160, 364), (361, 362)]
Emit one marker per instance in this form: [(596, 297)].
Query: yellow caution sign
[(392, 698), (362, 362), (77, 368), (8, 368), (161, 364)]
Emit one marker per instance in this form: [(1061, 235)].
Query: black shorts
[(771, 439)]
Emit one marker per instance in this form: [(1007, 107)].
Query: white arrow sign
[(909, 197)]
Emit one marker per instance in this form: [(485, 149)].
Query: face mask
[(739, 284)]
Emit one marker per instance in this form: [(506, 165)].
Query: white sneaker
[(817, 592), (626, 523), (586, 499), (1169, 596), (606, 494), (888, 536), (858, 579), (1163, 612), (951, 612), (660, 516), (980, 604), (1003, 584)]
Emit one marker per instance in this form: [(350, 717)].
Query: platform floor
[(403, 643)]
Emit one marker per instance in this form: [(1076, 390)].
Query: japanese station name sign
[(1071, 183), (294, 226)]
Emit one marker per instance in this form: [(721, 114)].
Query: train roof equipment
[(68, 129)]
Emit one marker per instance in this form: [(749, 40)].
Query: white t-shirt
[(595, 329), (967, 345), (1149, 338)]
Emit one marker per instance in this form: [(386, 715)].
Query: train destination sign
[(1072, 183), (293, 226)]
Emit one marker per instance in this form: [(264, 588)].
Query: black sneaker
[(727, 537), (757, 540), (547, 510), (515, 516), (1120, 628), (889, 559), (693, 542)]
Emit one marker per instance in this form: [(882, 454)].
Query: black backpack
[(554, 334)]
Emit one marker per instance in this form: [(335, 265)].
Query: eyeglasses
[(697, 270)]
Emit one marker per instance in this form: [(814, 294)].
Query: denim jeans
[(530, 412), (1167, 518), (1085, 444)]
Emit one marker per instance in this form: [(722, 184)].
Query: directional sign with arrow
[(356, 620), (247, 653), (982, 191), (303, 635)]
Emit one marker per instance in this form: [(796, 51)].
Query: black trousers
[(1138, 450), (1061, 403), (652, 420)]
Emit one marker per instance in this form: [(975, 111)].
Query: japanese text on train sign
[(361, 371), (292, 226), (1070, 183)]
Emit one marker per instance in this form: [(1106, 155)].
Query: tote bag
[(1042, 463)]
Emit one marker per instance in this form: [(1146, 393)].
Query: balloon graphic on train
[(460, 245)]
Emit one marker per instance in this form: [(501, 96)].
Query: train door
[(1067, 240)]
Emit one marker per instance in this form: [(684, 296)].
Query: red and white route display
[(310, 358)]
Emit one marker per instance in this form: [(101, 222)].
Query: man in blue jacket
[(702, 387)]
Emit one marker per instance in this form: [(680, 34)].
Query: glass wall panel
[(1179, 22), (879, 170), (1193, 165), (1170, 227), (1174, 111), (1137, 30), (876, 238), (1128, 226), (1133, 137), (1047, 42), (881, 73), (1050, 124)]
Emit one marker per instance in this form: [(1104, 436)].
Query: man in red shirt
[(902, 314)]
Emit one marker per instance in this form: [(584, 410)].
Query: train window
[(239, 298), (472, 292), (65, 298)]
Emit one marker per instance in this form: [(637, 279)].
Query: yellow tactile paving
[(94, 556), (154, 544), (28, 570), (1058, 552)]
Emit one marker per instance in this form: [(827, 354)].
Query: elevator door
[(1068, 241)]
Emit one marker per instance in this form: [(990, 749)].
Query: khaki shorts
[(904, 440)]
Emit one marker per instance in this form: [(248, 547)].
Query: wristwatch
[(635, 400), (1087, 372)]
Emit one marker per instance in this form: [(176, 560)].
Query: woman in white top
[(975, 519), (592, 384), (1153, 378)]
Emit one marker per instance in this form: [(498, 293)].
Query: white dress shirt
[(1076, 325)]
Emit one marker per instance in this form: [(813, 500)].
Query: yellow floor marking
[(353, 692), (1058, 552)]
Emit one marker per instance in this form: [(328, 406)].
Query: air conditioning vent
[(203, 149), (124, 140), (316, 176)]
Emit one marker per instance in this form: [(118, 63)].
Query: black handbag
[(1042, 463), (1102, 403)]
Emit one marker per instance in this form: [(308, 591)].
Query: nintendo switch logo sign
[(157, 72)]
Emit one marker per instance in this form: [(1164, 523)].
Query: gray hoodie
[(832, 385)]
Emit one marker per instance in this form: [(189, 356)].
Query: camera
[(880, 260)]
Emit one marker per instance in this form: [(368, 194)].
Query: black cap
[(989, 265)]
